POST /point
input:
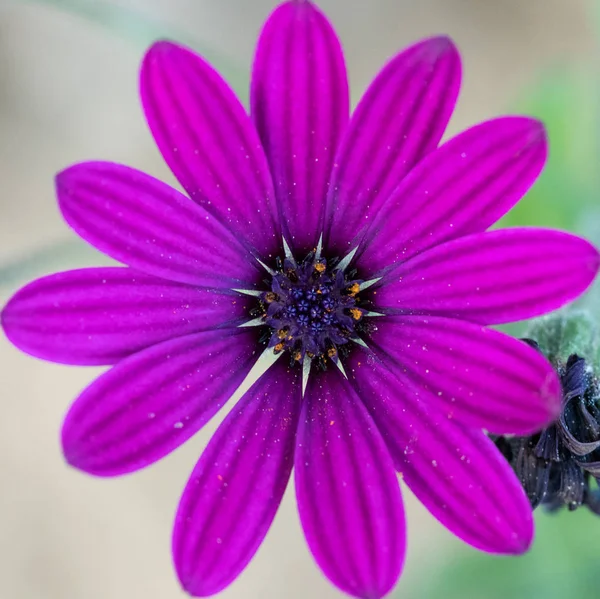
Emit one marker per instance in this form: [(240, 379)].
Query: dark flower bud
[(560, 465)]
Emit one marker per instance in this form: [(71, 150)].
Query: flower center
[(312, 309)]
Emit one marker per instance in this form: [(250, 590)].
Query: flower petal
[(299, 101), (463, 187), (150, 403), (101, 315), (481, 377), (493, 277), (208, 140), (236, 487), (456, 472), (400, 119), (144, 223), (348, 495)]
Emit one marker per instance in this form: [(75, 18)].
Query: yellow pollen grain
[(356, 313), (278, 347), (320, 267), (270, 297), (354, 288), (297, 356), (281, 334), (332, 352)]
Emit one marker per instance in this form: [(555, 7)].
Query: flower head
[(332, 276)]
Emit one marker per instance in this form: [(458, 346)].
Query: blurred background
[(68, 92)]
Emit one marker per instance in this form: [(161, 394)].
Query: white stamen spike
[(359, 341), (252, 292), (269, 270), (338, 363), (367, 313), (288, 252), (319, 248), (343, 264), (256, 322), (262, 364), (305, 372), (368, 283)]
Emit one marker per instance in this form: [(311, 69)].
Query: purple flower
[(333, 277)]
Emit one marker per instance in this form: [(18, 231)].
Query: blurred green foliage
[(564, 563), (568, 104)]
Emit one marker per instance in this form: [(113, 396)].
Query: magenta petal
[(300, 106), (400, 119), (101, 315), (236, 487), (463, 187), (209, 142), (146, 224), (348, 495), (479, 376), (457, 473), (494, 277), (150, 403)]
